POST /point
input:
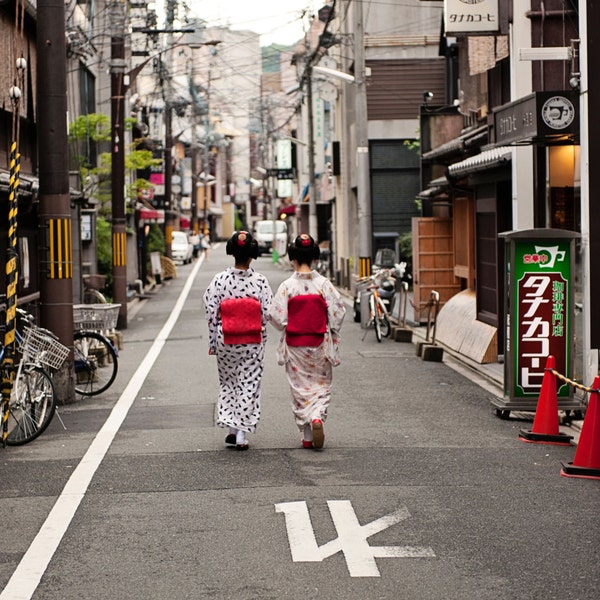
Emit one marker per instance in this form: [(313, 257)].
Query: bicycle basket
[(37, 346), (95, 317)]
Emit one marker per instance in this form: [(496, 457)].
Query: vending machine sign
[(542, 275)]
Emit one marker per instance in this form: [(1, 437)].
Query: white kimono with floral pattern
[(308, 369)]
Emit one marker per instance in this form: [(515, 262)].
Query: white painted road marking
[(352, 537), (27, 575)]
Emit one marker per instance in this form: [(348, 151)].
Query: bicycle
[(92, 284), (32, 403), (378, 313), (96, 361), (322, 264)]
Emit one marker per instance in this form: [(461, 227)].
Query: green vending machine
[(539, 316)]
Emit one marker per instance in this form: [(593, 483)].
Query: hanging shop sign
[(541, 117), (539, 312), (471, 16), (148, 215)]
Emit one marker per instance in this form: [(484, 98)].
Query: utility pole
[(118, 87), (195, 167), (194, 151), (168, 154), (205, 161), (168, 162), (362, 148), (199, 163), (589, 22), (55, 223), (312, 193)]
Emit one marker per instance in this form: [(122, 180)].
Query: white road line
[(35, 561)]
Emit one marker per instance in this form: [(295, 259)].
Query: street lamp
[(334, 73)]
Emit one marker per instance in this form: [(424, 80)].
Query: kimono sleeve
[(212, 301), (278, 311), (336, 308)]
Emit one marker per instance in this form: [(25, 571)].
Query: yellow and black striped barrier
[(364, 266), (119, 249), (60, 249), (12, 277)]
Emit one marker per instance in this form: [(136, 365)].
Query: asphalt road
[(421, 492)]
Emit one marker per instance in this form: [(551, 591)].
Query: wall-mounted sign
[(471, 16), (541, 117), (86, 227)]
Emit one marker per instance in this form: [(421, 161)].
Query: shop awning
[(468, 141), (434, 188), (288, 209), (151, 215), (488, 159)]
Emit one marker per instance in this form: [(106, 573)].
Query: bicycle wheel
[(32, 405), (384, 324), (377, 324), (385, 327), (96, 363)]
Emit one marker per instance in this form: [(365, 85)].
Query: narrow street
[(420, 492)]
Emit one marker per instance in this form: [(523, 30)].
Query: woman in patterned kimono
[(309, 311), (237, 303)]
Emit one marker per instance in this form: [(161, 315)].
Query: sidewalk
[(489, 376)]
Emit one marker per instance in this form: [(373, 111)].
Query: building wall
[(402, 55)]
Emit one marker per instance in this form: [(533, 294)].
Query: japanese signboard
[(539, 311), (471, 16), (539, 117), (284, 161)]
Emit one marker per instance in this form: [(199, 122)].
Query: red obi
[(242, 321), (307, 320)]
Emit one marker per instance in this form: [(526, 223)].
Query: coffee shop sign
[(541, 117), (470, 16)]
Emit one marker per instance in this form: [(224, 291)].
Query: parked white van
[(263, 234), (181, 248)]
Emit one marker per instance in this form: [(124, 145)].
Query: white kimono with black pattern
[(240, 366)]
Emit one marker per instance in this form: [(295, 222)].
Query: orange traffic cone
[(545, 424), (586, 463)]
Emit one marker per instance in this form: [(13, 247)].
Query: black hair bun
[(242, 246), (304, 249)]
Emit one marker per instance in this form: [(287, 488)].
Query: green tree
[(104, 249), (156, 239), (88, 134)]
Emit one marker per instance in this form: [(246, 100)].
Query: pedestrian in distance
[(205, 244), (237, 302), (309, 312)]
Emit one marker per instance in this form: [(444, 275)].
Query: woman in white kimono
[(309, 311), (237, 303)]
